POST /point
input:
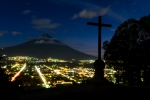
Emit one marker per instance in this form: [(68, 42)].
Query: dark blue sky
[(66, 20)]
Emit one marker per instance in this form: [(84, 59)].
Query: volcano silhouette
[(44, 47)]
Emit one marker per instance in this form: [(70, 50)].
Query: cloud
[(91, 13), (85, 14), (16, 33), (3, 32), (45, 23), (104, 11), (91, 10), (26, 12), (46, 38), (95, 11), (41, 40)]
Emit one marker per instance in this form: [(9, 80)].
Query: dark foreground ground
[(83, 92)]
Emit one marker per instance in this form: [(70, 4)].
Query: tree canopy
[(129, 48), (130, 42)]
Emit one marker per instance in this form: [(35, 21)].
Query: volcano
[(44, 47)]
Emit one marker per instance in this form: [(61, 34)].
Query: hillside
[(45, 46)]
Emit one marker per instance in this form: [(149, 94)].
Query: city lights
[(42, 77), (17, 74), (51, 75)]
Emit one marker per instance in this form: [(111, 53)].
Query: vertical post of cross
[(99, 24), (99, 38)]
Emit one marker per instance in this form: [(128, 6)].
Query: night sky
[(66, 20)]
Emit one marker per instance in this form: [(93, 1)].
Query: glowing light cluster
[(67, 76), (15, 65), (58, 72), (17, 74), (42, 77)]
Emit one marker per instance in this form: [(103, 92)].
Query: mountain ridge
[(44, 47)]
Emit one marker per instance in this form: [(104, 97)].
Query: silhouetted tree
[(5, 84), (129, 49), (4, 79)]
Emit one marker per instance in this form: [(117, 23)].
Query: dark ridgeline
[(45, 46)]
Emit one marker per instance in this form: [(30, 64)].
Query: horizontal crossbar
[(97, 24)]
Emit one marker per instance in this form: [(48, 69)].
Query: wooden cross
[(99, 24)]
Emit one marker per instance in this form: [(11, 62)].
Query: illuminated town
[(49, 73)]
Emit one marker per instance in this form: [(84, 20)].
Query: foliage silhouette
[(4, 78), (5, 84), (129, 50)]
